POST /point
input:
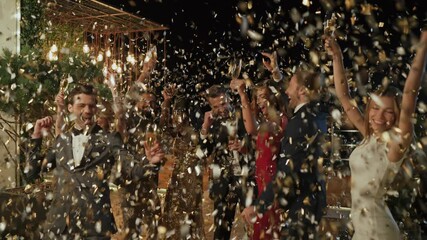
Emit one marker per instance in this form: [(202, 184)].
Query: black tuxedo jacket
[(298, 180), (81, 196), (216, 146)]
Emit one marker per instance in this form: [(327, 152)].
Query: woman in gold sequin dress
[(182, 216)]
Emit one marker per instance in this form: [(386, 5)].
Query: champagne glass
[(150, 136), (234, 68), (232, 136), (63, 85), (329, 25), (151, 53)]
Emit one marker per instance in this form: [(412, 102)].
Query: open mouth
[(86, 119), (376, 122)]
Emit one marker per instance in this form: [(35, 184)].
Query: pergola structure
[(114, 36), (97, 17)]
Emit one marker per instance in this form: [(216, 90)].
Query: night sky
[(205, 34)]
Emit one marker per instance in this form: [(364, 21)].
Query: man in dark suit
[(83, 160), (232, 178), (299, 187)]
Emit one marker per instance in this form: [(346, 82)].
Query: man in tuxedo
[(83, 159), (232, 178), (299, 188)]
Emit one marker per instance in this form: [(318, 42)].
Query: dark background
[(204, 36)]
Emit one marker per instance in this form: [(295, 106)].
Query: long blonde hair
[(388, 91)]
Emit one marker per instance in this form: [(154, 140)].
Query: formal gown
[(371, 176), (182, 214), (267, 146)]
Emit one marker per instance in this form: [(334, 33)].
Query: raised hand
[(154, 152), (148, 65), (249, 215), (60, 101), (168, 92), (270, 64), (42, 126), (207, 122), (331, 46), (234, 144), (60, 110), (237, 85)]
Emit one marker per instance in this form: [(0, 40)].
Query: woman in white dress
[(388, 132)]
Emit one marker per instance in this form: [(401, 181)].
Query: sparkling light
[(100, 57), (86, 48), (114, 66), (54, 48)]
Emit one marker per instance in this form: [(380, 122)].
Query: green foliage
[(32, 22), (29, 83)]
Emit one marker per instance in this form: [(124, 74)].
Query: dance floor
[(165, 174), (334, 224)]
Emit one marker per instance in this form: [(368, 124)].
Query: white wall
[(9, 38), (9, 24)]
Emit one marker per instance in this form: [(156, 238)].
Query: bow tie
[(76, 131)]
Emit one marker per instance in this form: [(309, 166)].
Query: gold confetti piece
[(349, 4), (367, 9)]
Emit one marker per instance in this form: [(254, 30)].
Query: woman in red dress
[(266, 122)]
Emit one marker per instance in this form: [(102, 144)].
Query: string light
[(131, 59), (100, 57), (86, 48), (54, 48), (114, 66)]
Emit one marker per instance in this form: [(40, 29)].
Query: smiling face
[(382, 114), (262, 100), (147, 103), (220, 106), (294, 92), (84, 109)]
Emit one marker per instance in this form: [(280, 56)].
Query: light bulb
[(114, 66), (86, 48), (54, 48), (131, 59), (100, 57)]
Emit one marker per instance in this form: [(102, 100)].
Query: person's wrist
[(241, 91), (275, 69), (36, 135), (204, 131), (337, 55), (167, 102), (277, 76)]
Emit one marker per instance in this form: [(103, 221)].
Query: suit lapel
[(92, 133), (65, 146)]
